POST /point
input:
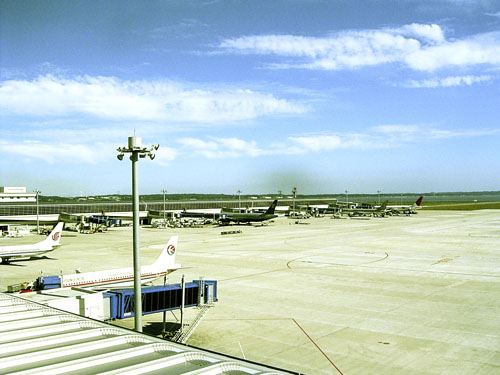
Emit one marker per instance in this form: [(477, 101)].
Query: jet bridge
[(157, 299), (119, 303)]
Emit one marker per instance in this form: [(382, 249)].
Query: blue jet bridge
[(157, 299)]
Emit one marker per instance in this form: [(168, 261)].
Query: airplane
[(406, 209), (124, 277), (227, 216), (378, 211), (23, 251)]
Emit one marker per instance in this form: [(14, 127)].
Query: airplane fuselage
[(248, 217), (124, 277), (120, 277), (245, 217), (23, 251)]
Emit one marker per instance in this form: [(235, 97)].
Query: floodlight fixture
[(120, 156)]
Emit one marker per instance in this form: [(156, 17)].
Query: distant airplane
[(377, 211), (24, 251), (124, 277), (406, 209), (227, 217)]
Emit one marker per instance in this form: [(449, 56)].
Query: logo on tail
[(170, 249), (55, 236)]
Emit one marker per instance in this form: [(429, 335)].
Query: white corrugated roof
[(36, 339)]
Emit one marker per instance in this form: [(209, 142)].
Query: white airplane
[(123, 277), (24, 251), (406, 209)]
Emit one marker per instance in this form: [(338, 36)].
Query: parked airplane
[(378, 211), (124, 277), (406, 209), (227, 217), (23, 251)]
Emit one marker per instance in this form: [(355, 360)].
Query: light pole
[(294, 193), (136, 151), (239, 200), (36, 191), (164, 192), (347, 198), (378, 191)]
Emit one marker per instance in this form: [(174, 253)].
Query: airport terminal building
[(17, 194)]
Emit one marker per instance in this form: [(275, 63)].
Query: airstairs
[(205, 302), (183, 334)]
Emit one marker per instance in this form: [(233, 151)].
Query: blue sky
[(261, 96)]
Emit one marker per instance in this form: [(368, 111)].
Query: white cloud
[(461, 133), (378, 137), (400, 134), (164, 155), (396, 129), (449, 81), (344, 51), (240, 147), (418, 46), (74, 153), (316, 142), (157, 101), (56, 152), (221, 147), (480, 49), (432, 33), (208, 149)]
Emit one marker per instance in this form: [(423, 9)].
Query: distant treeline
[(394, 198)]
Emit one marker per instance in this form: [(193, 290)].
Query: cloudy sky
[(261, 96)]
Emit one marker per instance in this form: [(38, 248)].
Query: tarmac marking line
[(337, 264), (293, 260), (317, 346), (227, 319), (253, 274)]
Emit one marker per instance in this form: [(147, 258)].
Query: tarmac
[(394, 295)]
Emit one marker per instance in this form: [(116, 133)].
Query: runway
[(395, 295)]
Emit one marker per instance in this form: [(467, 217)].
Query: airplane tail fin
[(55, 236), (166, 260), (272, 207), (419, 201), (384, 205)]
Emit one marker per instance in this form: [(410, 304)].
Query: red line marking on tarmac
[(293, 260), (317, 346)]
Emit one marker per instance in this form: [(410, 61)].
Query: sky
[(257, 96)]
